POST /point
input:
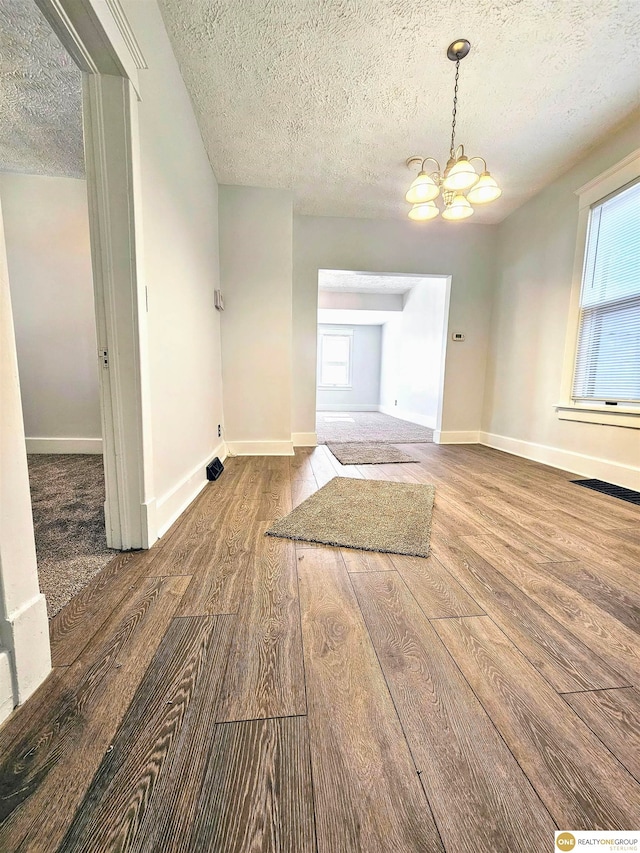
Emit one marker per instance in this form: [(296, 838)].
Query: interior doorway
[(104, 48), (381, 356), (43, 190)]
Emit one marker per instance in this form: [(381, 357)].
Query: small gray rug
[(370, 515), (369, 454), (67, 500), (357, 427)]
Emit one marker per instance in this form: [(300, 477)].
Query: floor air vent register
[(609, 489)]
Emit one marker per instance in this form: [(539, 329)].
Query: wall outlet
[(457, 336), (395, 402), (219, 431)]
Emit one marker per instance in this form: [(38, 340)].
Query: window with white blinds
[(608, 354)]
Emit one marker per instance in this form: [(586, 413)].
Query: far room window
[(607, 365), (335, 359)]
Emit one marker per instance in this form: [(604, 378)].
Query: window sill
[(620, 416), (335, 387)]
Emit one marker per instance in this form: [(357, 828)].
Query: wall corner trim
[(456, 437), (260, 448), (304, 439), (626, 476)]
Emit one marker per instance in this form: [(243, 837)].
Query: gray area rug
[(370, 515), (358, 427), (369, 454), (67, 499)]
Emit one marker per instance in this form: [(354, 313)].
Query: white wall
[(25, 659), (413, 347), (462, 250), (537, 244), (350, 301), (181, 265), (364, 393), (255, 267), (47, 234)]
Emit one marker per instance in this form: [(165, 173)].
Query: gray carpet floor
[(366, 427), (67, 499)]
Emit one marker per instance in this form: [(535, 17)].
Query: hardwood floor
[(232, 693)]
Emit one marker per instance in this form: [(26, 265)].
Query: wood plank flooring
[(233, 693)]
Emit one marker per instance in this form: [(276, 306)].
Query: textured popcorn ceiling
[(361, 282), (40, 96), (329, 97)]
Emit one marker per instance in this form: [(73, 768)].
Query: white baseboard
[(7, 702), (348, 407), (304, 439), (406, 415), (64, 445), (172, 504), (260, 448), (149, 512), (627, 476), (26, 634), (453, 437)]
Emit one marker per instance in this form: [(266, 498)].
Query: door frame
[(100, 40)]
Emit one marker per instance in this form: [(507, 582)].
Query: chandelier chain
[(455, 109)]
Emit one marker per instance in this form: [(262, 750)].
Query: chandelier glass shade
[(460, 185)]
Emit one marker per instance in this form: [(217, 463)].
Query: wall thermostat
[(457, 336)]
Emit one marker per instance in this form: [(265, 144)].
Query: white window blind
[(608, 354), (335, 363)]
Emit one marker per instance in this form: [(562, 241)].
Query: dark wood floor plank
[(614, 716), (265, 675), (168, 824), (301, 490), (367, 793), (610, 590), (49, 768), (366, 561), (220, 562), (436, 591), (121, 790), (612, 641), (627, 534), (453, 518), (257, 792), (252, 469), (71, 629), (506, 524), (300, 464), (188, 552), (553, 486), (554, 565), (565, 661), (455, 745), (340, 469), (584, 542), (581, 783), (322, 468), (275, 491)]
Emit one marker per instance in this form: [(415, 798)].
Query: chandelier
[(460, 184)]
